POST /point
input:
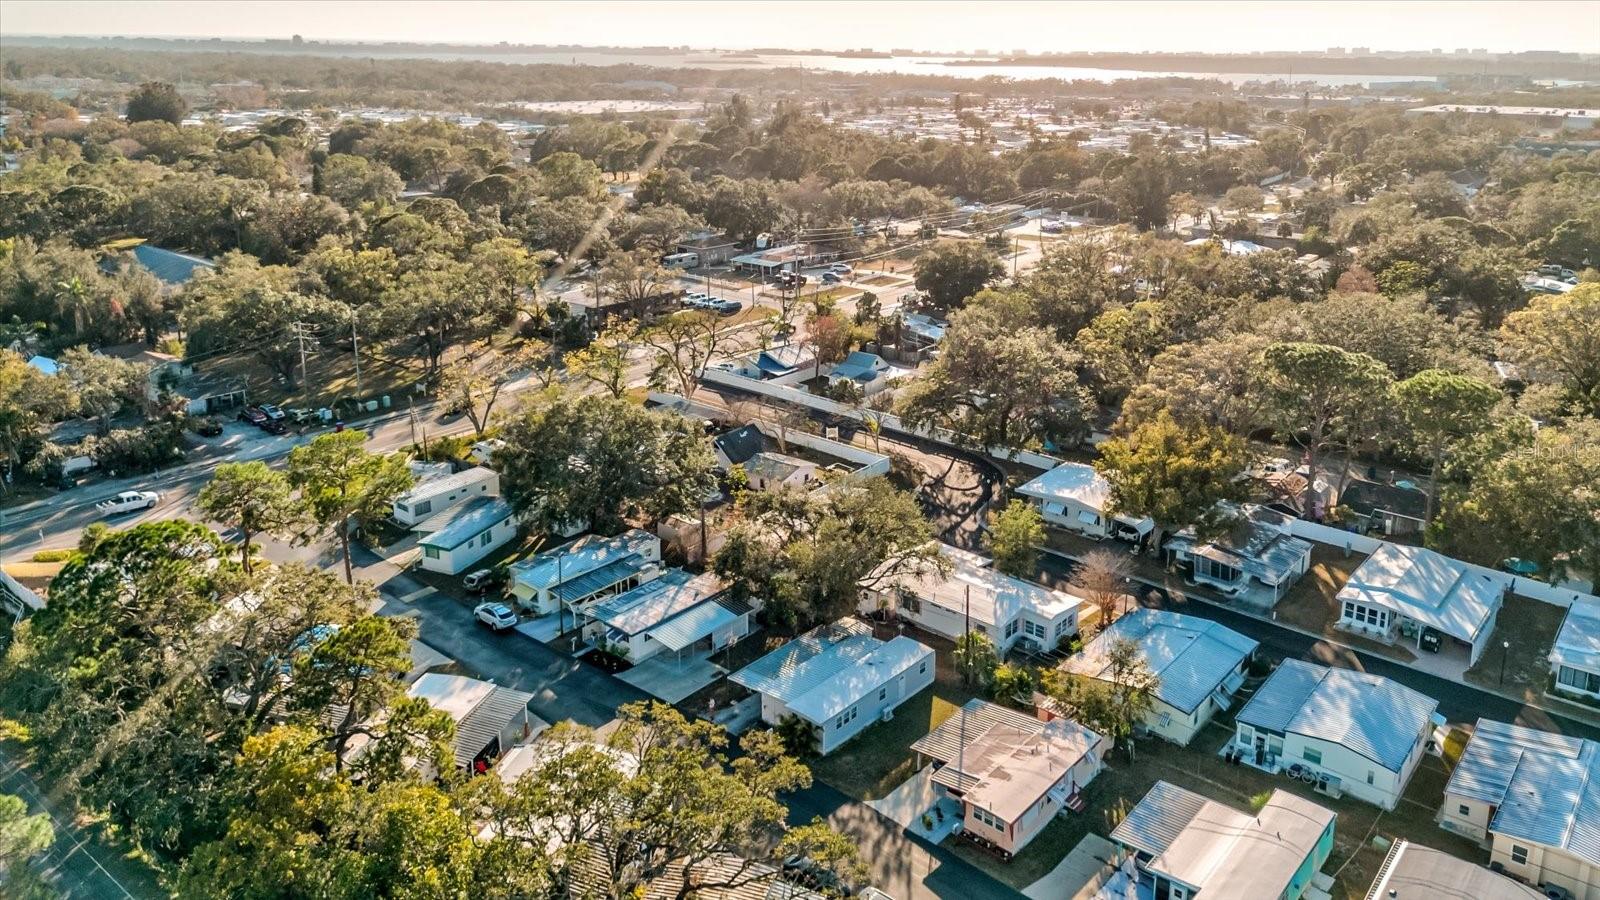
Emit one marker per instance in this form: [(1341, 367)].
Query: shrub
[(137, 449), (50, 556)]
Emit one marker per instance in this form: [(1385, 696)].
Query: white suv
[(128, 501), (497, 616)]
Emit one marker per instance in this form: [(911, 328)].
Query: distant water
[(911, 65)]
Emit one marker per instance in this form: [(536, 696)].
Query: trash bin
[(386, 403)]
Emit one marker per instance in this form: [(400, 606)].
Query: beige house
[(1534, 798), (1011, 773)]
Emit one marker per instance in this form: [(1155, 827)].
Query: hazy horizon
[(931, 25)]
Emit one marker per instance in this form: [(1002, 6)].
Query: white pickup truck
[(128, 501)]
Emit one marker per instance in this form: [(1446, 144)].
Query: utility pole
[(300, 335), (355, 349)]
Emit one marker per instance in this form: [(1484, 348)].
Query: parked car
[(831, 278), (208, 427), (482, 580), (696, 299), (127, 502), (497, 616), (300, 415), (273, 412), (253, 415), (274, 426), (1560, 273), (841, 268), (728, 307)]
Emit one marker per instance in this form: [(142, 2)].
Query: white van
[(681, 261)]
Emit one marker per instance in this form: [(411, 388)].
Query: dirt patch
[(881, 280), (1530, 627), (1313, 603)]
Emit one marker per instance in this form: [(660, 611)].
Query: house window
[(1312, 756), (845, 718), (1011, 628), (984, 816), (922, 668), (1519, 854), (1365, 615), (1370, 777), (430, 552), (883, 693), (911, 603), (423, 508), (1579, 679), (1035, 630), (1216, 571), (1464, 810), (1063, 625)]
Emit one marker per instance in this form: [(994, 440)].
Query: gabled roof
[(1220, 851), (859, 366), (1191, 656), (740, 444), (1071, 481), (1427, 587), (1002, 760), (973, 586), (434, 485), (481, 710), (825, 670), (1371, 715), (1578, 642), (468, 521), (1259, 544), (1547, 786), (654, 602)]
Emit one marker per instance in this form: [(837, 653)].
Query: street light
[(1505, 651)]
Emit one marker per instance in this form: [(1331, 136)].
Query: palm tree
[(71, 296)]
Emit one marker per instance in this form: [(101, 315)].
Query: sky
[(934, 25)]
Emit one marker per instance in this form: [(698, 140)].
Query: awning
[(1088, 518), (683, 630), (591, 583)]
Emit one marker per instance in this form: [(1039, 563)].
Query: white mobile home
[(1404, 593), (675, 613), (1575, 657), (1363, 733), (1074, 496), (433, 494), (577, 573), (838, 678), (468, 533), (1257, 561)]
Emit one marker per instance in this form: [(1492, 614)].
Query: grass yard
[(1530, 627), (1354, 862), (881, 280), (880, 758)]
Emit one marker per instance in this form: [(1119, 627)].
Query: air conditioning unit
[(886, 715)]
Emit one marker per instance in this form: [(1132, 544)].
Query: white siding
[(456, 561)]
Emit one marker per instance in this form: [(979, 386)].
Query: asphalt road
[(1459, 702)]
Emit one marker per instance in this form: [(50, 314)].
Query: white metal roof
[(467, 521), (433, 486), (1191, 656), (1076, 482), (1380, 719), (1578, 642), (1427, 587), (825, 670), (1220, 851), (993, 598), (654, 602), (1546, 786), (579, 557)]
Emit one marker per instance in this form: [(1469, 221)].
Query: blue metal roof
[(1191, 656), (1371, 715), (475, 517), (170, 267)]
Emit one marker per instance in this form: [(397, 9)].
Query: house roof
[(1219, 850), (973, 586), (468, 521), (740, 444), (1002, 760), (859, 366), (1427, 587), (650, 604), (1578, 642), (577, 558), (1547, 786), (435, 484), (774, 466), (1368, 497), (1371, 715), (1415, 872), (1191, 656), (825, 670), (1076, 482), (708, 242), (1259, 544), (481, 710), (169, 266)]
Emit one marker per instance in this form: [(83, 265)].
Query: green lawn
[(879, 759)]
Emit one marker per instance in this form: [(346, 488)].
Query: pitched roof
[(169, 266), (1546, 786), (1219, 850), (654, 602), (822, 672), (1191, 656), (1010, 760), (992, 598), (740, 444), (1427, 587), (1071, 481), (580, 557), (434, 484), (1578, 642), (481, 710), (1259, 544), (859, 366), (468, 521), (1369, 714), (1415, 872)]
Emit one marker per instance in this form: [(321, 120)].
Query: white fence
[(867, 463), (12, 592), (888, 421)]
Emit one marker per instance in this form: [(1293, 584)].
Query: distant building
[(1543, 117)]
